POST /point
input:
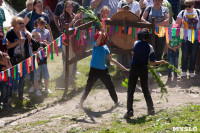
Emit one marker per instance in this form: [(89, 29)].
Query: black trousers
[(135, 73), (104, 76)]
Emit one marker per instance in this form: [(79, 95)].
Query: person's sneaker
[(119, 104), (192, 75), (41, 88), (169, 78), (47, 91), (38, 93), (151, 112), (183, 74), (128, 115), (79, 106), (31, 89)]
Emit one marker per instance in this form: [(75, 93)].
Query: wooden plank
[(127, 23), (120, 51), (80, 57), (67, 58), (81, 27)]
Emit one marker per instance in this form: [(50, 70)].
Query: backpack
[(196, 11)]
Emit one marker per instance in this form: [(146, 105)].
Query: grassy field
[(181, 119)]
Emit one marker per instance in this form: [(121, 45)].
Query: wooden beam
[(67, 58), (120, 51), (81, 27), (80, 57)]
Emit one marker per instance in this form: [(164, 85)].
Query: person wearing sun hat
[(173, 51), (98, 68)]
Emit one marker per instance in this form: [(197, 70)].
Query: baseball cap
[(125, 4)]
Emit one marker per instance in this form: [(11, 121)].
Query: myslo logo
[(185, 129)]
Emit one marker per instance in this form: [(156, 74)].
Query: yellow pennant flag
[(192, 36), (159, 34), (167, 35), (181, 33), (36, 63)]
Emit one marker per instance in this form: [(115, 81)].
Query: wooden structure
[(114, 22)]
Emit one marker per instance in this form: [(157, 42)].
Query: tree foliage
[(18, 5)]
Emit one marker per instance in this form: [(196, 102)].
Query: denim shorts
[(41, 69)]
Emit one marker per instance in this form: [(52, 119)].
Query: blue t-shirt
[(98, 57), (143, 51), (34, 17)]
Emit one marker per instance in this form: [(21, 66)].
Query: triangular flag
[(17, 73), (5, 76), (192, 36), (130, 30), (133, 32), (28, 68), (181, 33), (55, 42), (51, 51), (174, 32), (14, 72), (21, 69), (60, 41), (0, 76), (24, 68), (116, 28), (196, 34), (120, 31), (170, 33), (167, 35)]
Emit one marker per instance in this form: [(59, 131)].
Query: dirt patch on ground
[(99, 109)]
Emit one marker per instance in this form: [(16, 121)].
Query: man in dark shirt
[(59, 10), (142, 51)]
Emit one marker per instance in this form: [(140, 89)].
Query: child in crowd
[(45, 38), (42, 67), (105, 11), (40, 27), (98, 68), (4, 87), (173, 52)]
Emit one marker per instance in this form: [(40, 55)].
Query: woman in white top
[(134, 6)]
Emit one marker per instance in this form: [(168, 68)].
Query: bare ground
[(99, 109)]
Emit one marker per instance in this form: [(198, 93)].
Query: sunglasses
[(20, 23), (188, 6)]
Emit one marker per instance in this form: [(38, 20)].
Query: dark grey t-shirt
[(158, 14), (60, 6), (112, 4)]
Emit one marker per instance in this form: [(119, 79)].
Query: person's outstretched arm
[(115, 62), (158, 62)]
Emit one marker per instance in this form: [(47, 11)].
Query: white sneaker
[(38, 93), (41, 88), (183, 74), (31, 89), (192, 75), (48, 91)]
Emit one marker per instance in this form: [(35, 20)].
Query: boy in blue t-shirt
[(98, 68)]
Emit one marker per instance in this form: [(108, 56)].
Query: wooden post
[(67, 57)]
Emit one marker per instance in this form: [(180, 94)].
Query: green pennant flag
[(116, 28), (46, 52), (15, 72), (174, 32), (51, 51), (133, 32)]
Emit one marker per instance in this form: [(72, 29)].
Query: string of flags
[(31, 63)]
